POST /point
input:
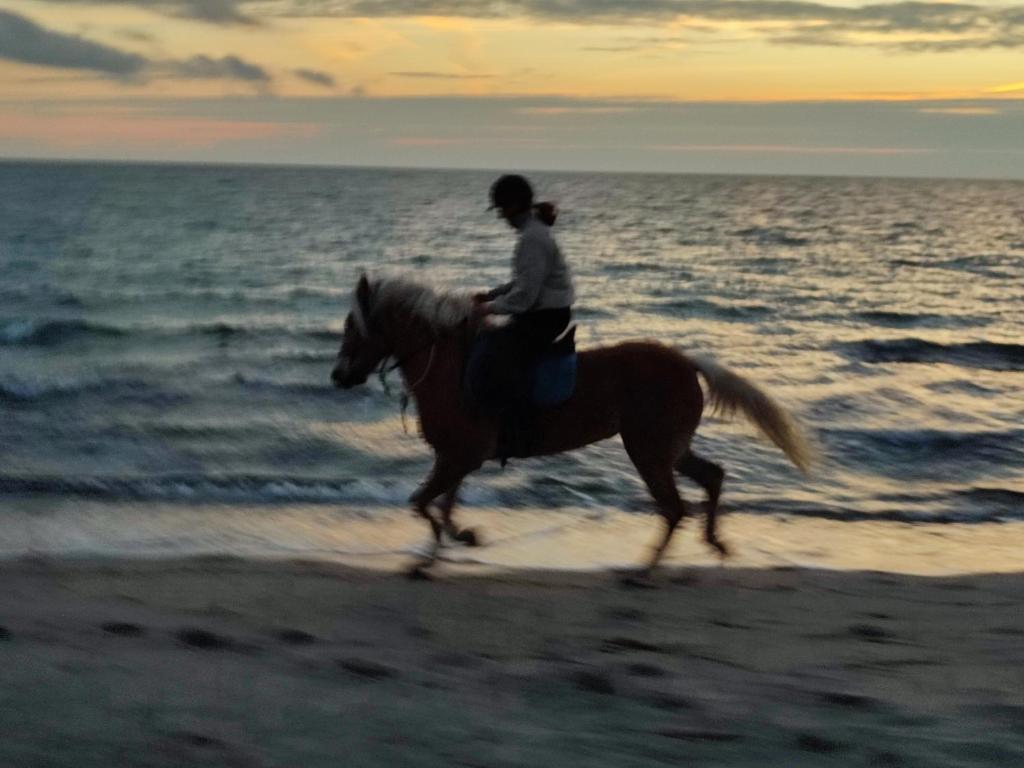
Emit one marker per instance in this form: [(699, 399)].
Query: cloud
[(906, 26), (453, 141), (214, 11), (135, 35), (440, 75), (818, 138), (1007, 88), (21, 39), (573, 110), (966, 111), (25, 41), (316, 77), (210, 11), (228, 67), (791, 149), (98, 130), (914, 26)]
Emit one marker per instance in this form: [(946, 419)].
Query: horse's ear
[(363, 294)]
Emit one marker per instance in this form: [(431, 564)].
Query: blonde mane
[(439, 310)]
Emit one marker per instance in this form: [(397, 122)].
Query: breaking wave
[(972, 354)]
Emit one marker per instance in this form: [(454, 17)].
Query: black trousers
[(512, 352)]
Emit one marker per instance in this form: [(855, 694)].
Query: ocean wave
[(250, 489), (223, 329), (320, 388), (53, 332), (47, 333), (39, 295), (707, 308), (997, 356), (23, 391), (771, 236), (911, 319), (972, 505), (257, 297), (993, 265), (930, 447), (1011, 502), (119, 390), (305, 356), (122, 390), (635, 267), (17, 391), (592, 313), (943, 510)]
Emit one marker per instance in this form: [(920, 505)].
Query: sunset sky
[(758, 86)]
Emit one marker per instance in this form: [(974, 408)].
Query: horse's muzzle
[(347, 379)]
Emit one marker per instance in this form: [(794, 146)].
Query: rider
[(538, 300)]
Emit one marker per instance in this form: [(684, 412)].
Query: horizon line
[(448, 169)]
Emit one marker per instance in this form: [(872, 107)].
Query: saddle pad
[(554, 380)]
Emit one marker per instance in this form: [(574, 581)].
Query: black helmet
[(511, 191)]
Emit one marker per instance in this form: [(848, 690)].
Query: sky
[(730, 86)]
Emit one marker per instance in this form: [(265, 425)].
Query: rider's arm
[(529, 268), (501, 290)]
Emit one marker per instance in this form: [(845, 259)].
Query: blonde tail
[(729, 392)]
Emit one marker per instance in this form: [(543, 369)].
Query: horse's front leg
[(447, 506), (446, 476)]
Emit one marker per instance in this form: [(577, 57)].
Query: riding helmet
[(511, 191)]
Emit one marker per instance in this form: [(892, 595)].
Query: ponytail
[(546, 212)]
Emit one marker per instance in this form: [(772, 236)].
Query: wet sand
[(234, 662)]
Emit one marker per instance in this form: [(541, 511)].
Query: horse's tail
[(729, 392)]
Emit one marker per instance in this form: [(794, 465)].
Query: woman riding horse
[(644, 391), (538, 298)]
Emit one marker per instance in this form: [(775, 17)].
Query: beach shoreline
[(389, 538), (240, 662)]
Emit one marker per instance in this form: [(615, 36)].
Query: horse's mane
[(440, 310)]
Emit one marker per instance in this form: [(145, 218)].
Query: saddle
[(550, 381), (553, 378)]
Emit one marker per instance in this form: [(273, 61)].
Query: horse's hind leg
[(662, 486), (708, 476), (655, 467)]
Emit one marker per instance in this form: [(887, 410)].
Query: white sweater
[(540, 276)]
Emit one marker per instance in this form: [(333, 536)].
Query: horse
[(644, 391)]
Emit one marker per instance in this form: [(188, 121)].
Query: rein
[(385, 369)]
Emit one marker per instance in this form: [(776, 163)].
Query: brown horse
[(642, 390)]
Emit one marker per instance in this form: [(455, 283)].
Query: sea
[(167, 334)]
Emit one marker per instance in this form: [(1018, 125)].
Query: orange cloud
[(76, 131), (574, 110), (960, 111), (1008, 88), (792, 149), (445, 141)]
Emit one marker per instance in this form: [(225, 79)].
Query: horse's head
[(362, 346)]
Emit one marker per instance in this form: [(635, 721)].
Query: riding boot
[(515, 438)]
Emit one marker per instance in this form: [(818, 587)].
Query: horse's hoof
[(468, 537), (720, 549), (419, 572)]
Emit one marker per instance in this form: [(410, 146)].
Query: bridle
[(384, 369)]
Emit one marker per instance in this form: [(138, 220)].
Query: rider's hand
[(482, 309)]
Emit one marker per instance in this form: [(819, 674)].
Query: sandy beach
[(235, 662)]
